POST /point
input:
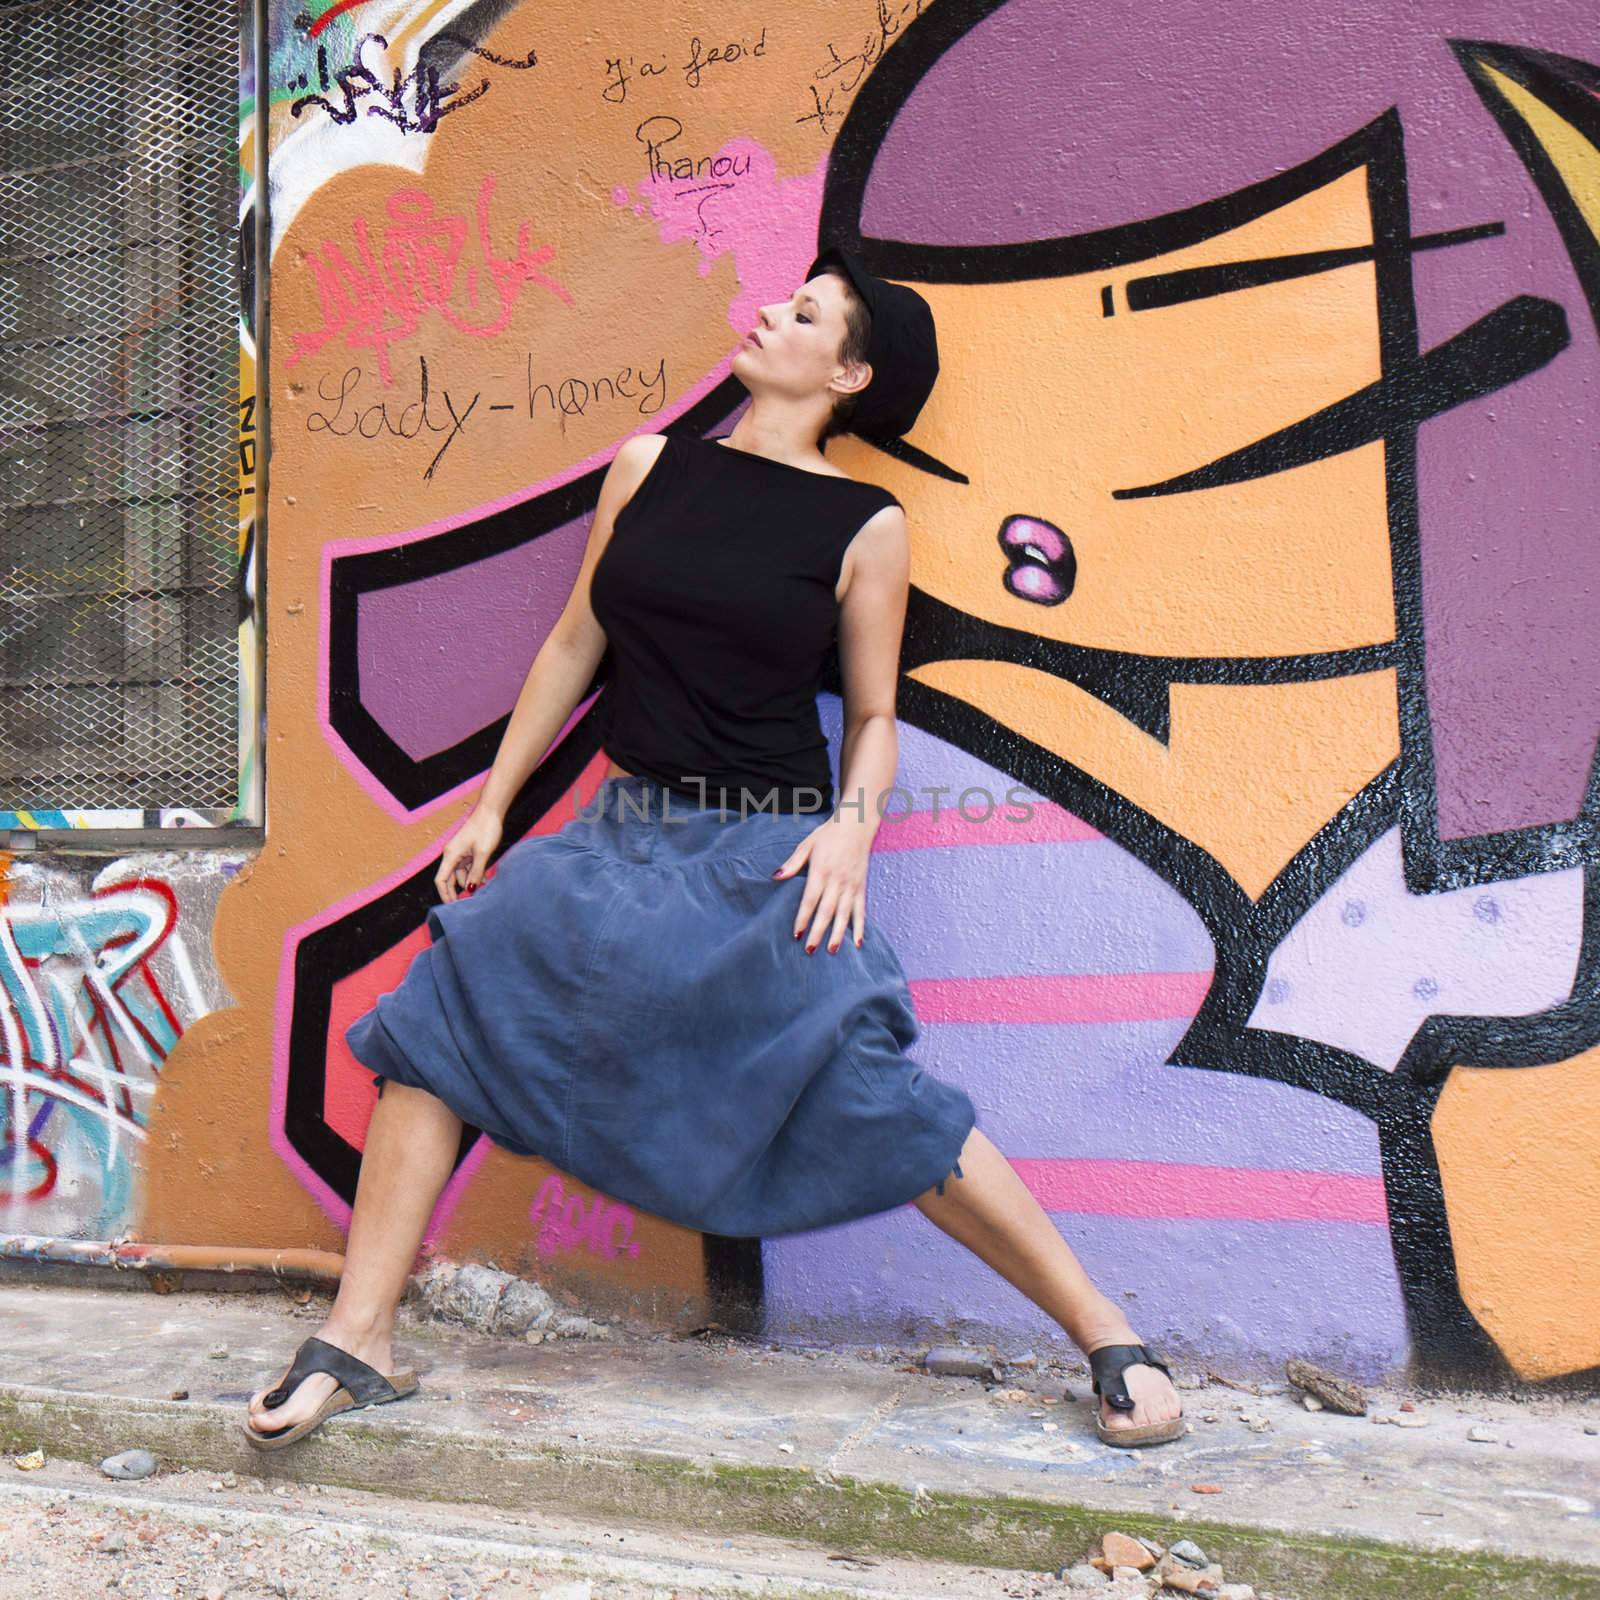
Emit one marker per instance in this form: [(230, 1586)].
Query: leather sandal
[(360, 1385), (1107, 1364)]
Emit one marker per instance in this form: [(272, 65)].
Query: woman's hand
[(835, 856), (467, 854)]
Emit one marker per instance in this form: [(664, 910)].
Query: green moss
[(833, 1512), (1036, 1535)]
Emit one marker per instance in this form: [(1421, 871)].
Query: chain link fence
[(119, 368)]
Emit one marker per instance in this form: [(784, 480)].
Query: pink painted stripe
[(1171, 1190), (1062, 997), (921, 830)]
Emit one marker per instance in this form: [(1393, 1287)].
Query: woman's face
[(793, 350)]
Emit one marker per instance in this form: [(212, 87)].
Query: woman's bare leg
[(991, 1211), (411, 1146)]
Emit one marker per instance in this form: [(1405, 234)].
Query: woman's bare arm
[(871, 622), (876, 573), (566, 662)]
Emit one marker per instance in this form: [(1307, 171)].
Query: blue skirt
[(625, 999)]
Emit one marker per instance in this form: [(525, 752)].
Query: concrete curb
[(833, 1511)]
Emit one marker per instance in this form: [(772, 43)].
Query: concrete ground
[(858, 1452), (67, 1532)]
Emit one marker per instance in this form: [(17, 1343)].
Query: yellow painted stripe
[(1574, 156)]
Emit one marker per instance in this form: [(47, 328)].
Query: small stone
[(1187, 1580), (1206, 1488), (1591, 1427), (1188, 1552), (1028, 1358), (957, 1361), (576, 1327), (1481, 1435), (1018, 1395), (1122, 1574), (231, 1479), (1080, 1575), (536, 1337), (788, 1449), (1150, 1545), (179, 1394), (1411, 1421), (218, 1352), (522, 1307), (1336, 1393), (216, 1592), (113, 1543), (1408, 1405), (129, 1464), (1310, 1402), (469, 1295), (30, 1462), (1236, 1591), (1122, 1550)]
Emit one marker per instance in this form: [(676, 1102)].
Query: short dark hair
[(852, 348)]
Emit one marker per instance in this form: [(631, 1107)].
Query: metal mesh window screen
[(119, 367)]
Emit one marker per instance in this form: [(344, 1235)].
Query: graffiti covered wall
[(103, 966), (1253, 533)]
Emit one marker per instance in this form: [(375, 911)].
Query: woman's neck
[(788, 439)]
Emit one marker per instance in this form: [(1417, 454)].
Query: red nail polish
[(810, 948), (778, 873)]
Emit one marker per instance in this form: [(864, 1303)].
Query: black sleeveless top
[(716, 594)]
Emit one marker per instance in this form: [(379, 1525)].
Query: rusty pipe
[(314, 1266)]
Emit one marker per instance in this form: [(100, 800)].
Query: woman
[(674, 1047)]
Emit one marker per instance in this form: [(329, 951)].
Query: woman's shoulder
[(639, 451), (634, 460)]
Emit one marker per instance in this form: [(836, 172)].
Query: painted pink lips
[(1042, 567)]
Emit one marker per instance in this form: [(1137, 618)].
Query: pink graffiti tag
[(379, 300), (568, 1224)]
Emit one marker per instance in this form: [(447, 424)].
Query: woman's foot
[(1154, 1397), (374, 1348)]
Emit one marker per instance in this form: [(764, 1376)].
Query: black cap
[(903, 350)]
